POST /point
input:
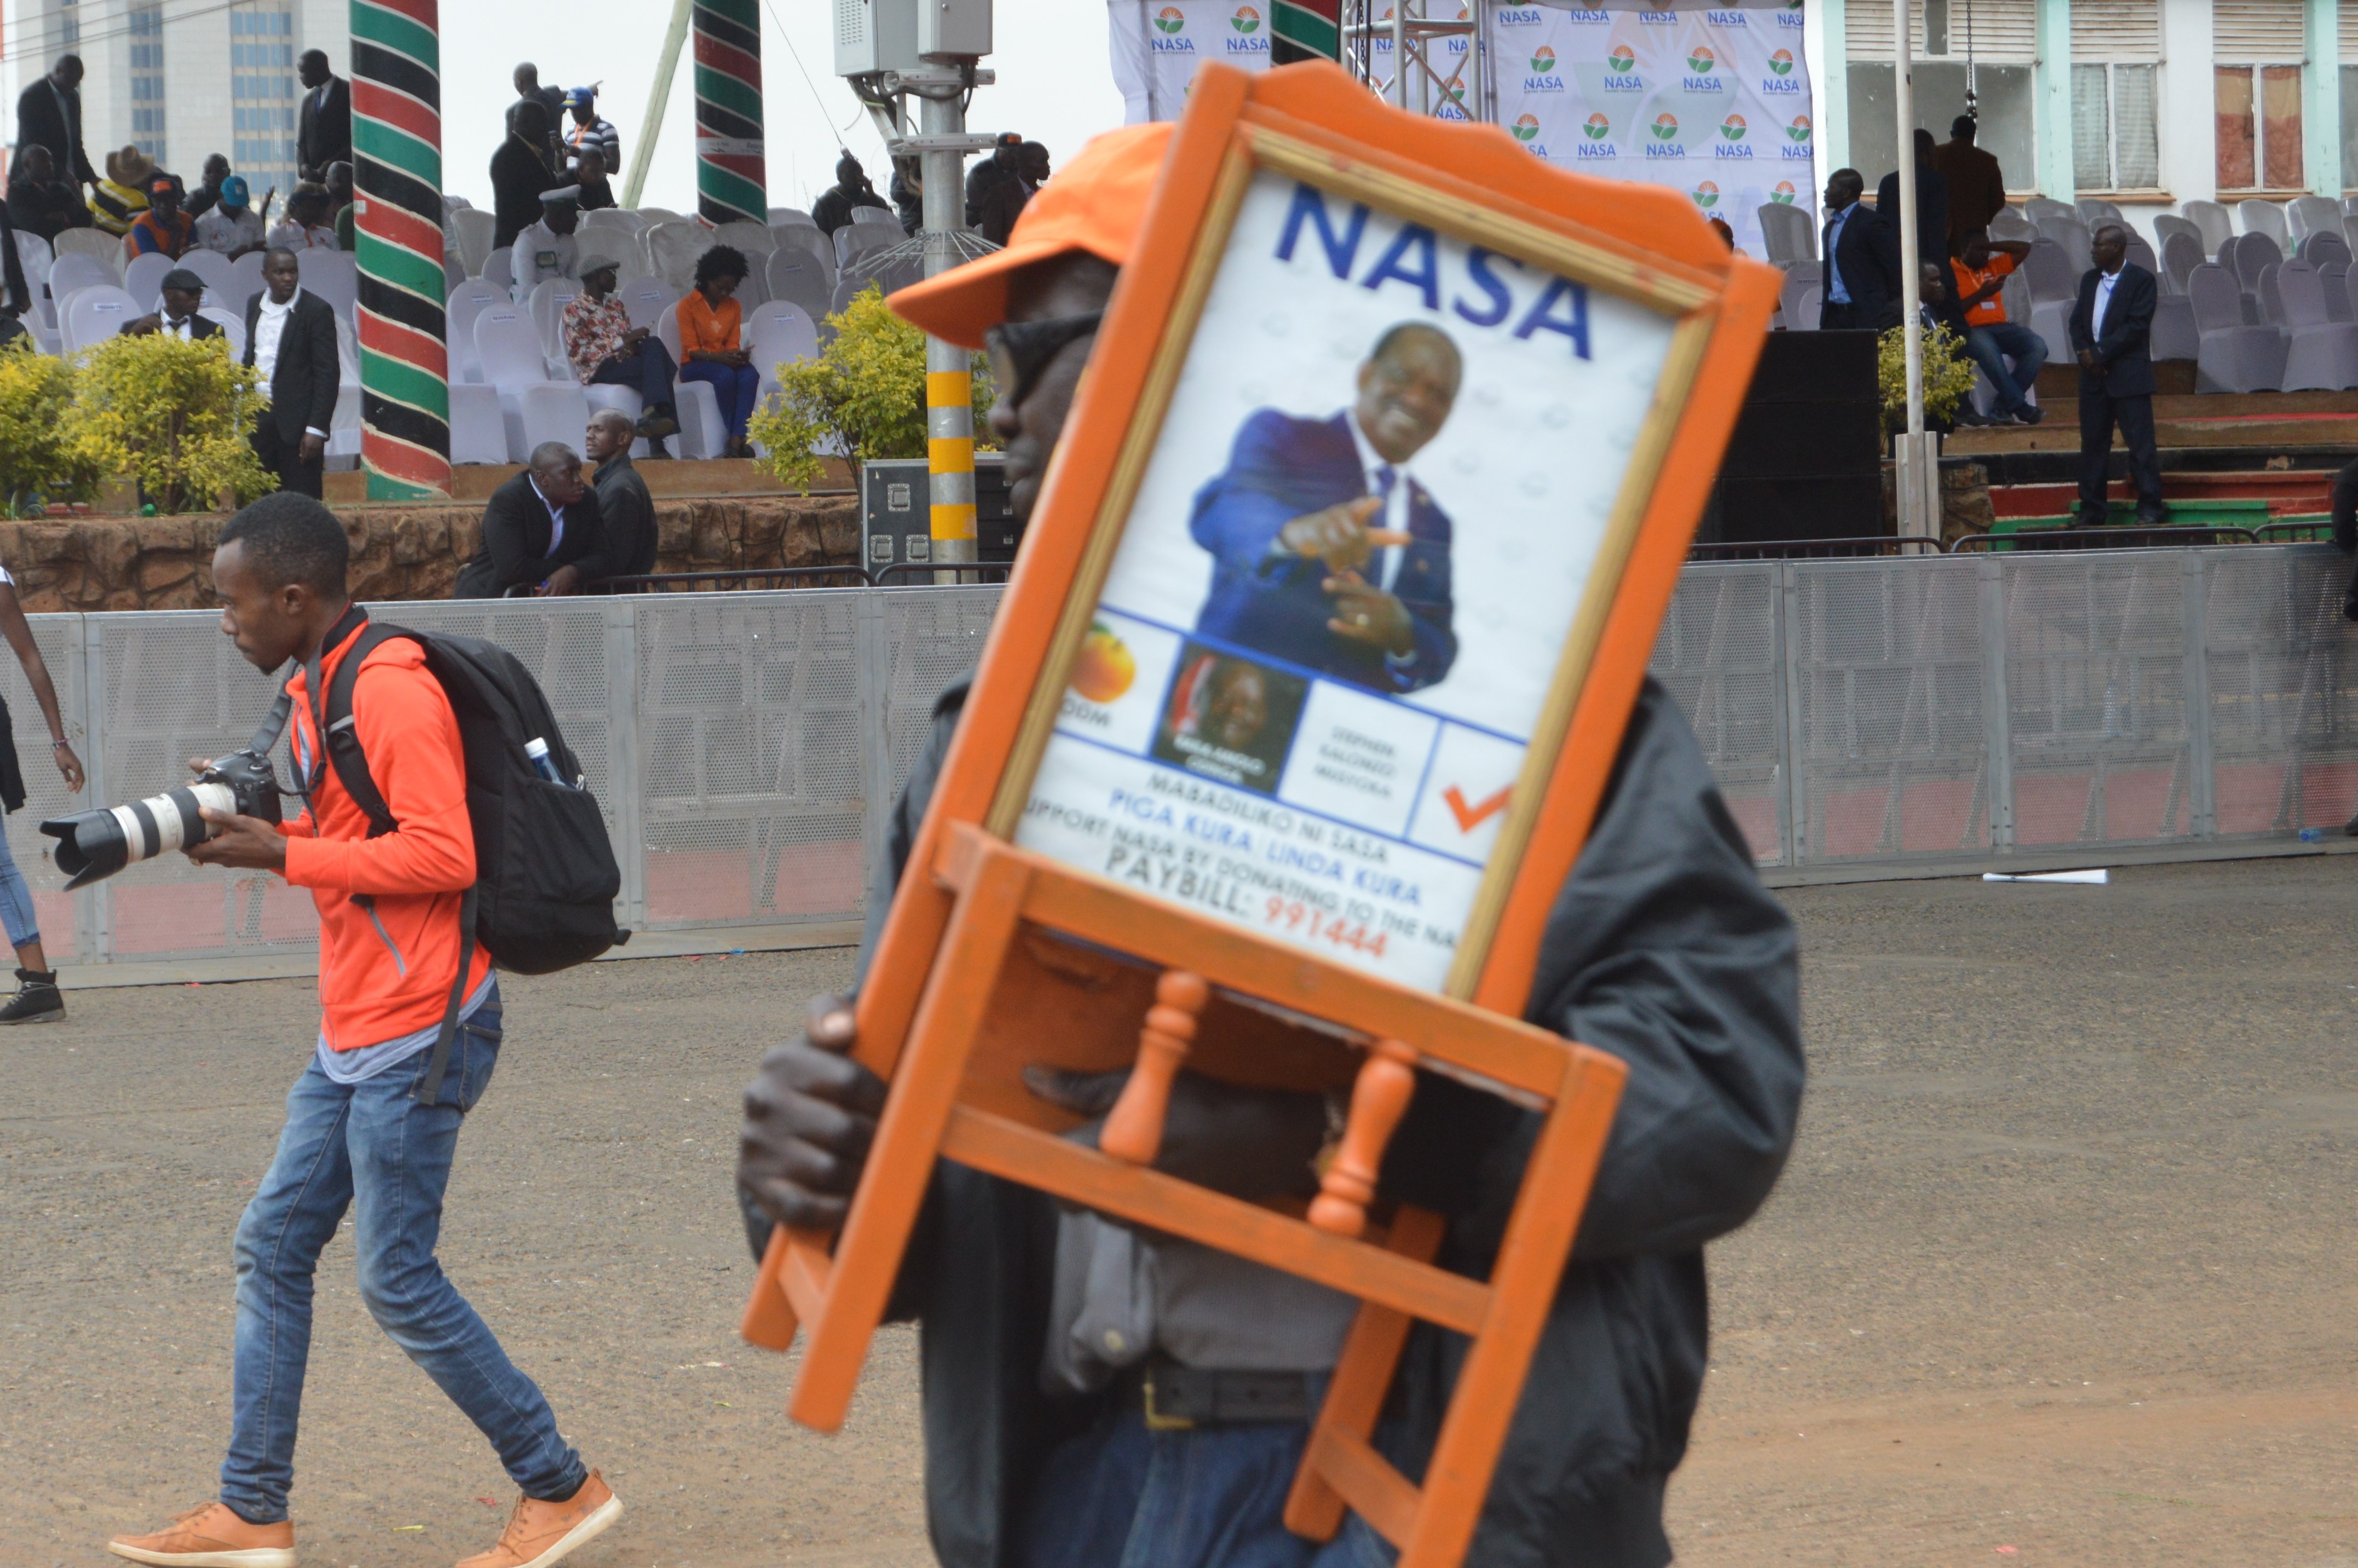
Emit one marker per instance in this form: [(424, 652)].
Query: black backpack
[(546, 878)]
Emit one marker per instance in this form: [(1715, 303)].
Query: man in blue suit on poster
[(1328, 553)]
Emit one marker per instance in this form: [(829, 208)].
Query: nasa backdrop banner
[(1158, 44), (1714, 100)]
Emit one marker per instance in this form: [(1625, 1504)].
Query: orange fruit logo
[(1105, 666)]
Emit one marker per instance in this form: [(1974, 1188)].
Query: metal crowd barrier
[(1864, 716)]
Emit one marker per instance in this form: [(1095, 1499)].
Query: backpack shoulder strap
[(342, 739)]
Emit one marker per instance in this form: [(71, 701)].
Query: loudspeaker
[(1806, 459)]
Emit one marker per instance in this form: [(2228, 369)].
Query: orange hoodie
[(385, 966)]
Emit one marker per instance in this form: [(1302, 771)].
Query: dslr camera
[(96, 844)]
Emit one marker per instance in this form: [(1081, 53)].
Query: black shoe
[(657, 425), (2153, 517), (2090, 519), (1968, 416), (2350, 828), (2028, 414), (38, 999)]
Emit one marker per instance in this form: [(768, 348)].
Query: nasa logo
[(1170, 23), (1544, 78), (1790, 17), (1781, 80), (1621, 71), (1520, 16), (1731, 139), (1598, 143), (1784, 193), (1797, 148), (1665, 141), (1588, 18), (1727, 18), (1706, 195), (1657, 18)]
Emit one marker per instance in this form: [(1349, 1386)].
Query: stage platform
[(2303, 422)]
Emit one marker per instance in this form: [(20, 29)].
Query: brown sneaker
[(213, 1537), (539, 1534)]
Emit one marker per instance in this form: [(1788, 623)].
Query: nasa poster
[(1339, 603), (1714, 99)]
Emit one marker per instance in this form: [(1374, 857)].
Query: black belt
[(1176, 1398)]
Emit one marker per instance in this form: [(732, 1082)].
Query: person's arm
[(2019, 249), (327, 371), (581, 557), (1664, 950), (504, 533), (411, 739), (37, 676)]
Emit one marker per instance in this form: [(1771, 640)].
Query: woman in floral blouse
[(607, 351)]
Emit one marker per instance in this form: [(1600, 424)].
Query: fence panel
[(2281, 672), (1719, 657)]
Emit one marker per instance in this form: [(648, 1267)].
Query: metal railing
[(1861, 715)]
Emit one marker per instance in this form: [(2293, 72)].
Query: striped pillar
[(949, 448), (397, 173), (731, 180)]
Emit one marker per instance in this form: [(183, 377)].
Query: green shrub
[(38, 462), (175, 415), (865, 392), (1948, 375)]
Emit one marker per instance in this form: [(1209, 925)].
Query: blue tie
[(1382, 560)]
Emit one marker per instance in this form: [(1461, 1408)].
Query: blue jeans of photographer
[(371, 1147), (1990, 347), (15, 903)]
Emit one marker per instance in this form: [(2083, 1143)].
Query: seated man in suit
[(1327, 552), (2112, 330), (290, 341), (1861, 282), (541, 532), (184, 294)]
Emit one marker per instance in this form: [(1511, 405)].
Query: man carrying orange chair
[(1095, 1397)]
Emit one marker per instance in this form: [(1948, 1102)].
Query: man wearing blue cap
[(233, 227), (589, 130)]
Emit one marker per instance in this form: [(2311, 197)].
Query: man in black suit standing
[(1862, 276), (540, 531), (2112, 325), (325, 134), (1932, 201), (290, 341), (48, 114)]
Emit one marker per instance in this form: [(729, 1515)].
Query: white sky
[(1054, 86)]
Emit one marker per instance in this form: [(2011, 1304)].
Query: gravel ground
[(2059, 1272)]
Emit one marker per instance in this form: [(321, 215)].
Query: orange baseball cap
[(1094, 204)]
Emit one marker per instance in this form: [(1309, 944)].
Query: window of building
[(2258, 111), (147, 28), (263, 91), (69, 22), (2115, 134), (2349, 50), (1968, 54)]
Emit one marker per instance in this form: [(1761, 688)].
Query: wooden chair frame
[(973, 958)]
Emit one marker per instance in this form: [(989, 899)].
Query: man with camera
[(1170, 1442), (362, 1134)]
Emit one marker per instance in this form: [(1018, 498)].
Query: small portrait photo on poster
[(1340, 599)]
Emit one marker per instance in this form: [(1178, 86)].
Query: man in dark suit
[(184, 294), (2112, 325), (324, 133), (1862, 278), (290, 340), (1932, 201), (1976, 185), (540, 531), (626, 513), (39, 201), (1328, 553), (48, 114)]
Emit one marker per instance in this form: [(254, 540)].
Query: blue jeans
[(1989, 347), (1119, 1496), (734, 387), (370, 1147), (16, 901)]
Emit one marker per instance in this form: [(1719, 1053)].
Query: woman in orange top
[(709, 328)]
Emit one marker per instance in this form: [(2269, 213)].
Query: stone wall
[(398, 552)]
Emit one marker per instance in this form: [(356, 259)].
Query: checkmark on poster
[(1469, 818)]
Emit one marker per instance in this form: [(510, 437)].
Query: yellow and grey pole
[(949, 376)]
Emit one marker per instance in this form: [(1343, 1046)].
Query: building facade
[(2149, 103), (183, 81)]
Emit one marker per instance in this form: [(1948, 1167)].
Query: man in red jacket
[(358, 1135)]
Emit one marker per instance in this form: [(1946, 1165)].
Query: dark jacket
[(515, 550), (1931, 210), (1663, 949), (626, 517), (201, 201), (1976, 186), (303, 385), (324, 134), (1282, 467), (199, 328), (1868, 260), (48, 210), (49, 117), (520, 173), (2128, 331), (833, 208)]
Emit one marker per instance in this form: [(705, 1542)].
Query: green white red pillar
[(732, 183), (397, 173)]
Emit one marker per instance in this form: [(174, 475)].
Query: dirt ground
[(2060, 1272)]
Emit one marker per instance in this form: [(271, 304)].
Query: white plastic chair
[(2266, 218), (1787, 233), (672, 249), (2182, 253), (508, 349), (2072, 235), (2233, 355), (1803, 316), (754, 239), (2322, 355), (95, 314), (334, 276), (2009, 224), (95, 243), (499, 268), (213, 267), (548, 305), (795, 278), (2320, 246), (34, 254), (876, 215), (2094, 212), (2216, 223), (810, 243), (553, 413), (649, 299), (2335, 276), (855, 240), (779, 333), (650, 216), (469, 300), (244, 280), (232, 324), (782, 216), (615, 229), (73, 272), (478, 428), (1798, 278), (475, 229), (2313, 214), (2252, 254)]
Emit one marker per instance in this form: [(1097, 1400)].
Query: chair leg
[(1363, 1375), (1134, 1131), (1379, 1100)]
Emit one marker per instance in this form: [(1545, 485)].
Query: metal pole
[(949, 376), (1399, 53), (1911, 291), (658, 98)]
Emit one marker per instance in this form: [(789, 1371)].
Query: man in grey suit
[(290, 340)]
